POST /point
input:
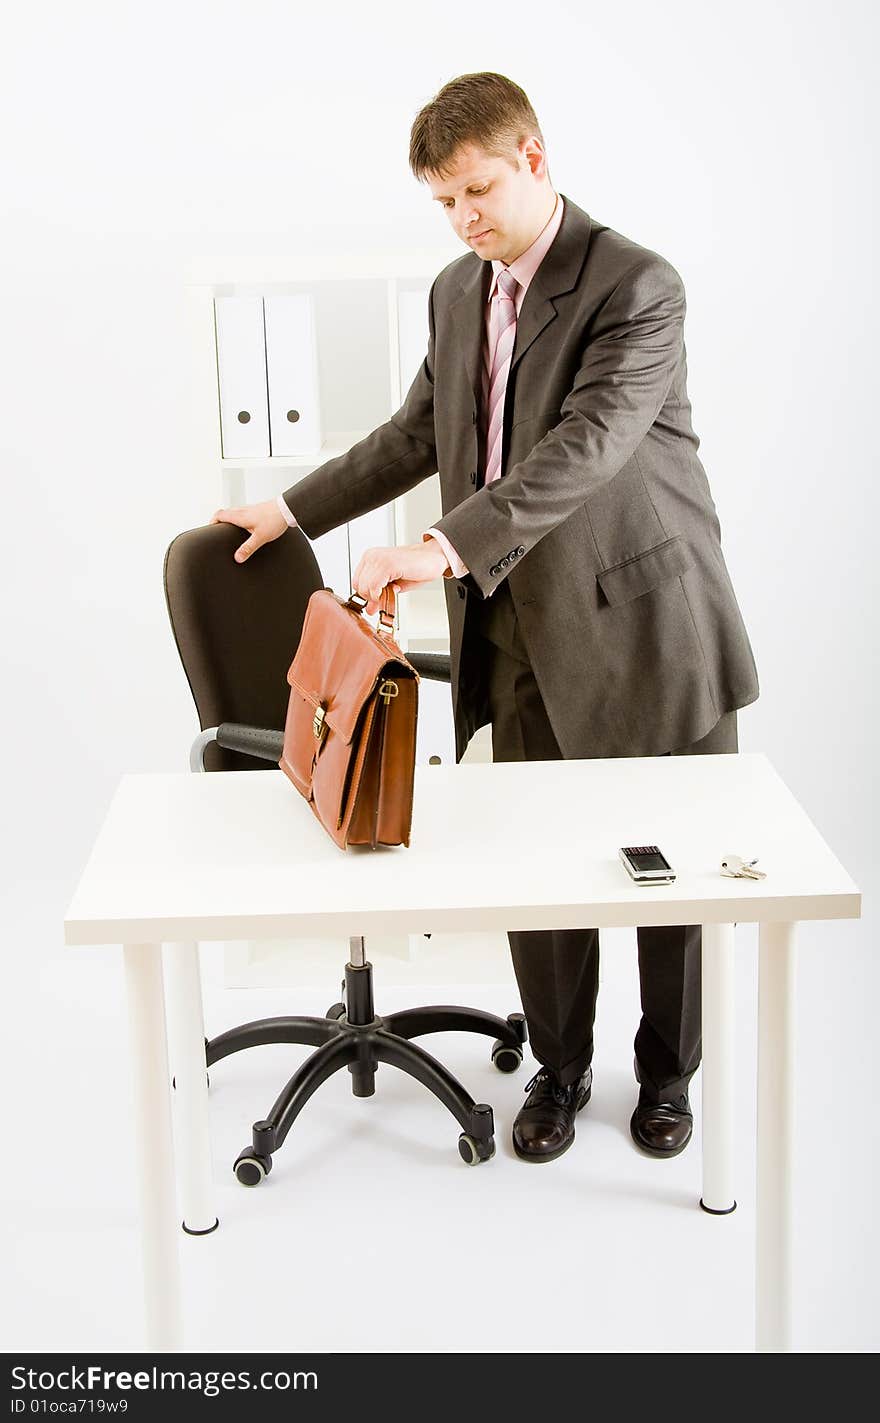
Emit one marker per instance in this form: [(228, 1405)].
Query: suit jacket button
[(493, 571), (505, 562), (521, 550)]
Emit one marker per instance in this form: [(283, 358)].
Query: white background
[(739, 142)]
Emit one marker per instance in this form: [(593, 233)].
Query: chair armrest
[(252, 740), (432, 665)]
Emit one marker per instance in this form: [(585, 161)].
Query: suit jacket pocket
[(625, 581)]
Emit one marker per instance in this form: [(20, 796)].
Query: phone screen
[(647, 860)]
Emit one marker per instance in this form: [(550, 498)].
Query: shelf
[(338, 443), (369, 347)]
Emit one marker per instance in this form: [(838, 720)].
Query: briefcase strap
[(387, 608)]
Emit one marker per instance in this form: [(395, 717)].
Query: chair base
[(351, 1035)]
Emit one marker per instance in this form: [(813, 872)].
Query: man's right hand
[(264, 522)]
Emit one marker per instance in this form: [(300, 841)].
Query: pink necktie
[(502, 334)]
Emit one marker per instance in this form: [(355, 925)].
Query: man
[(590, 609)]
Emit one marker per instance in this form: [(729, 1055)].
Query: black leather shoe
[(662, 1128), (544, 1126)]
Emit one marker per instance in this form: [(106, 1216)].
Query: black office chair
[(237, 627)]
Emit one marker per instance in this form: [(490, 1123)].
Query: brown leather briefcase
[(350, 735)]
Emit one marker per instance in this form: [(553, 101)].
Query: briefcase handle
[(387, 608)]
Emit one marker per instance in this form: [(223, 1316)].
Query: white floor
[(371, 1234)]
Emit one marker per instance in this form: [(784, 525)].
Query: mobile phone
[(647, 864)]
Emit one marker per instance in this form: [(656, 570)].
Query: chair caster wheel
[(505, 1057), (336, 1010), (472, 1152), (250, 1169)]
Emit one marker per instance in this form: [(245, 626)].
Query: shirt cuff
[(456, 567), (286, 512)]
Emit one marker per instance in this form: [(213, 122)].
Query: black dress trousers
[(557, 971)]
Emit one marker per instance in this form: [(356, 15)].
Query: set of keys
[(734, 867)]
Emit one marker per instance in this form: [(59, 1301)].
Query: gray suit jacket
[(603, 522)]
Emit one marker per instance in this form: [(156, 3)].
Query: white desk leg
[(186, 1026), (775, 1137), (718, 1061), (152, 1123)]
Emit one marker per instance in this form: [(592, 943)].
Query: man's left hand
[(406, 567)]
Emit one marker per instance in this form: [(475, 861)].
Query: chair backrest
[(237, 626)]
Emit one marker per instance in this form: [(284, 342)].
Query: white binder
[(435, 729), (412, 335), (292, 360), (241, 368)]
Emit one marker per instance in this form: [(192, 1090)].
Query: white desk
[(184, 858)]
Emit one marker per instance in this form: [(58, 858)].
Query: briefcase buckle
[(319, 725)]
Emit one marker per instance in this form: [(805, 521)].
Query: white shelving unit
[(367, 351)]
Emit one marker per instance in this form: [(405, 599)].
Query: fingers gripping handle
[(387, 607)]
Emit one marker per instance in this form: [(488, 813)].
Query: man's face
[(497, 210)]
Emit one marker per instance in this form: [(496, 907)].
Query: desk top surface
[(523, 845)]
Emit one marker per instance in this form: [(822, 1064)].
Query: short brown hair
[(487, 110)]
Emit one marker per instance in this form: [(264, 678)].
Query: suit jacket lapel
[(469, 313), (557, 274)]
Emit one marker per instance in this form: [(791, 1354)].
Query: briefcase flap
[(339, 659)]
